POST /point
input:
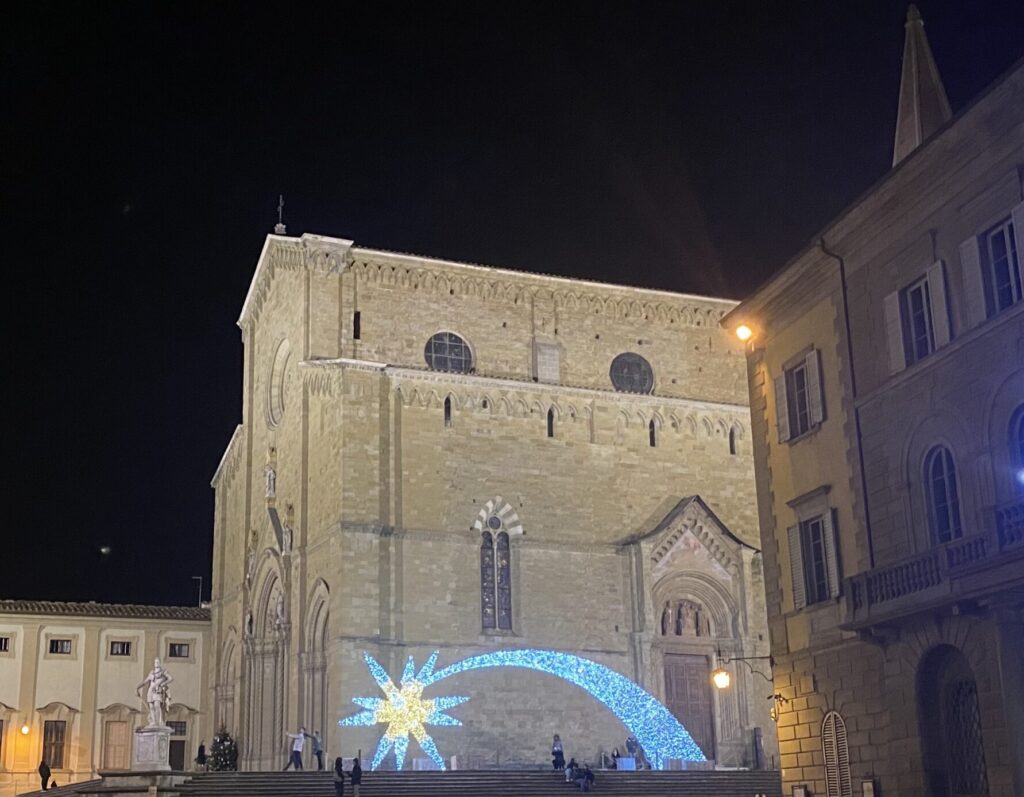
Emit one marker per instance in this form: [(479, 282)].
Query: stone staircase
[(486, 783)]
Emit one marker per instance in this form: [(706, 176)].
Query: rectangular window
[(53, 742), (120, 648), (178, 728), (356, 325), (1002, 273), (5, 644), (814, 559), (60, 647), (812, 544), (796, 390), (178, 650), (916, 315)]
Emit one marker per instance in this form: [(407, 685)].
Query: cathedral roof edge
[(504, 271), (224, 457)]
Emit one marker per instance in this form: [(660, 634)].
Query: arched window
[(551, 422), (942, 495), (631, 373), (652, 433), (732, 441), (1017, 447), (495, 577), (836, 753), (446, 351), (487, 594), (447, 412)]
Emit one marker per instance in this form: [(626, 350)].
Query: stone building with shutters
[(435, 456), (68, 673), (886, 375)]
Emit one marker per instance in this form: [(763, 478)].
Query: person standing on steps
[(318, 750), (44, 774), (298, 742), (339, 777), (201, 756), (356, 776), (557, 754)]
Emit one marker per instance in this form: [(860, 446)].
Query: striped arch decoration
[(498, 507)]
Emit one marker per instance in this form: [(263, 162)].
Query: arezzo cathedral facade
[(436, 456)]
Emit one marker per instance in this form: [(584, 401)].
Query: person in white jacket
[(298, 742)]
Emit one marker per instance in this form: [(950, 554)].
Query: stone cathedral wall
[(382, 494)]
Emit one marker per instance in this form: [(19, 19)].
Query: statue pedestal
[(152, 749)]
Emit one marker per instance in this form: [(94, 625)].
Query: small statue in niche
[(271, 476), (666, 616), (690, 620), (680, 620), (281, 618), (286, 539), (248, 622)]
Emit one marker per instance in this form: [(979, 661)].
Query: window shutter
[(796, 566), (843, 758), (831, 552), (974, 285), (830, 754), (781, 408), (815, 405), (894, 333), (1018, 234), (940, 310)]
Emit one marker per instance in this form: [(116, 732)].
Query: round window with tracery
[(446, 351), (631, 373)]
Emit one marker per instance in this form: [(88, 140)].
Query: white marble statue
[(248, 622), (271, 475), (156, 698), (286, 539)]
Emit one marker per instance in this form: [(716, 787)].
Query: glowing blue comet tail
[(659, 733)]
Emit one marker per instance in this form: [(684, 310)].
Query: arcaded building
[(886, 372), (435, 456)]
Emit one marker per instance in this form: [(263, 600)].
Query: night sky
[(685, 146)]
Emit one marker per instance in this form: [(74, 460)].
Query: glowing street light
[(24, 730), (744, 333), (721, 678)]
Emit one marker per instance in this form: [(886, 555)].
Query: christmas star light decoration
[(404, 710)]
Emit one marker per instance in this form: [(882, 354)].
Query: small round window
[(446, 351), (631, 373)]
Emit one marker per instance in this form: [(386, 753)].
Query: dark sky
[(685, 146)]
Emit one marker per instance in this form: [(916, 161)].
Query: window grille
[(53, 743), (178, 650), (60, 647), (495, 577), (965, 752), (120, 648)]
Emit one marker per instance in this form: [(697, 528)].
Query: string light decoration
[(405, 711)]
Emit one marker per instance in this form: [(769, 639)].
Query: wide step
[(468, 783)]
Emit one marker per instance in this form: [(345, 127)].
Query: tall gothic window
[(942, 495), (495, 577)]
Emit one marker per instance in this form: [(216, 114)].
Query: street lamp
[(24, 730), (744, 333), (721, 678)]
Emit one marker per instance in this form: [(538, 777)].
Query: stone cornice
[(317, 253), (484, 282), (229, 461), (496, 386)]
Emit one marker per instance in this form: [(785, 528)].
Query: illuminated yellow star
[(404, 710)]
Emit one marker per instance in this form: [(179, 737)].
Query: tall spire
[(923, 107)]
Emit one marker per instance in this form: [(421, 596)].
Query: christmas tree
[(223, 755)]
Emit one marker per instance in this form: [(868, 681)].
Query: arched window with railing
[(942, 495)]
